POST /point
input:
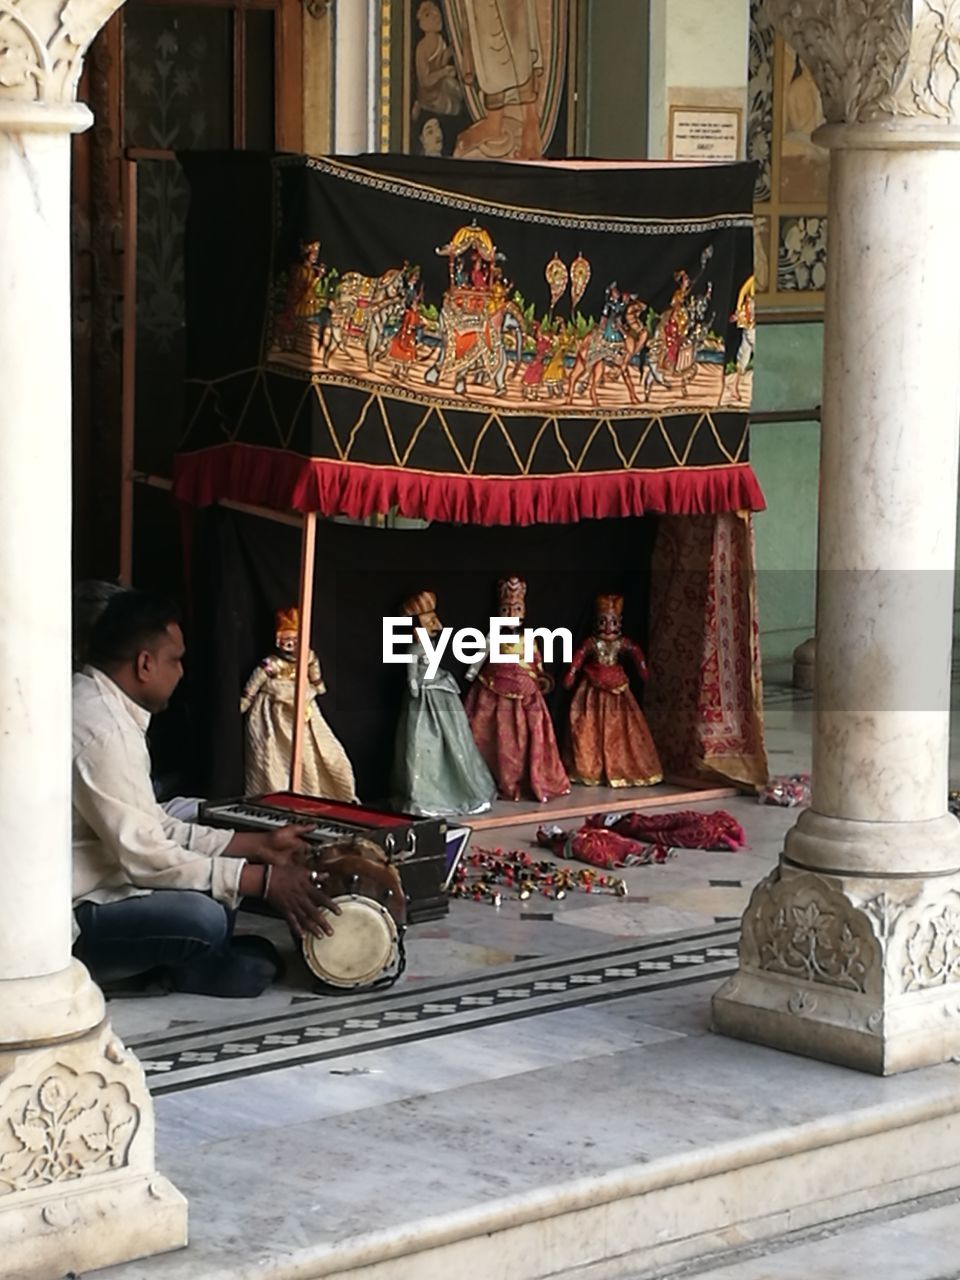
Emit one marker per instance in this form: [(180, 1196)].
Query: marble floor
[(524, 1045)]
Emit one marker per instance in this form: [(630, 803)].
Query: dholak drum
[(366, 946)]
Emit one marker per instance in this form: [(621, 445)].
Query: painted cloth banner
[(474, 343)]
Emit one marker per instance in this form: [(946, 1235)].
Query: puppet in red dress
[(609, 742), (509, 717)]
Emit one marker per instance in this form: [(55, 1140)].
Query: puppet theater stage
[(564, 1115), (543, 362)]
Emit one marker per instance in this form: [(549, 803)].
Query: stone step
[(640, 1221), (914, 1240)]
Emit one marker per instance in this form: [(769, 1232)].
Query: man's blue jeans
[(185, 934)]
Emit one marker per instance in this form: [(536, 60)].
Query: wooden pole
[(307, 556), (128, 369)]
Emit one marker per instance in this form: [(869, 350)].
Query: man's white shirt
[(124, 842)]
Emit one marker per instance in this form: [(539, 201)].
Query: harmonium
[(424, 851)]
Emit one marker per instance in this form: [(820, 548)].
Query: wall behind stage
[(246, 567), (785, 452)]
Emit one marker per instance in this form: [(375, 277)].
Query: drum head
[(362, 948)]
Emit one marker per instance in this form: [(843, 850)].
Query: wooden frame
[(308, 548)]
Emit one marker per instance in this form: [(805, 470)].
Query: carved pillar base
[(78, 1187), (863, 972)]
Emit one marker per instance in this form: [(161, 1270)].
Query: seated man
[(151, 892)]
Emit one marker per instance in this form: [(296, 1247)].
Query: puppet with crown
[(267, 703), (509, 717), (437, 769), (609, 742)]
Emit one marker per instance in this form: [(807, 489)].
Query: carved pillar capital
[(893, 63), (42, 45)]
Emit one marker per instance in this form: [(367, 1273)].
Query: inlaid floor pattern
[(322, 1027)]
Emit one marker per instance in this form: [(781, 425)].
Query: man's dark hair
[(90, 598), (131, 622)]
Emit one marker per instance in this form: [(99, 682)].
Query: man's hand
[(271, 848), (287, 844), (297, 895)]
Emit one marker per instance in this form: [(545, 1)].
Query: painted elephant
[(471, 342)]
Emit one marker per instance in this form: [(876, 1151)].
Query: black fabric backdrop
[(246, 567), (250, 212)]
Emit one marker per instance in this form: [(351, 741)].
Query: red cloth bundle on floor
[(600, 848), (684, 830)]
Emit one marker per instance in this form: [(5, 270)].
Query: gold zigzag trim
[(524, 465), (486, 475), (318, 390)]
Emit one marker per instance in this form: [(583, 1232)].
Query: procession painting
[(484, 344)]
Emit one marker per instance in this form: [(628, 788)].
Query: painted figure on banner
[(681, 332), (366, 310), (608, 739), (744, 317), (267, 703), (437, 770), (509, 717), (609, 349), (512, 57), (403, 349), (305, 299), (476, 315)]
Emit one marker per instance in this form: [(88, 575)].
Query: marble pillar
[(851, 948), (354, 30), (76, 1120)]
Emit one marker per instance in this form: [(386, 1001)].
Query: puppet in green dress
[(437, 769)]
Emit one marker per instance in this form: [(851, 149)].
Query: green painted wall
[(786, 458), (614, 77)]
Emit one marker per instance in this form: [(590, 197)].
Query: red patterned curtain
[(704, 700)]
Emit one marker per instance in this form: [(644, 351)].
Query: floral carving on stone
[(800, 927), (65, 1126), (930, 939), (876, 60), (42, 46)]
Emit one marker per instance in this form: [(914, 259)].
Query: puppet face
[(430, 623), (287, 643), (608, 626)]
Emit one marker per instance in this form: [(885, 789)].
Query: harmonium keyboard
[(416, 846)]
